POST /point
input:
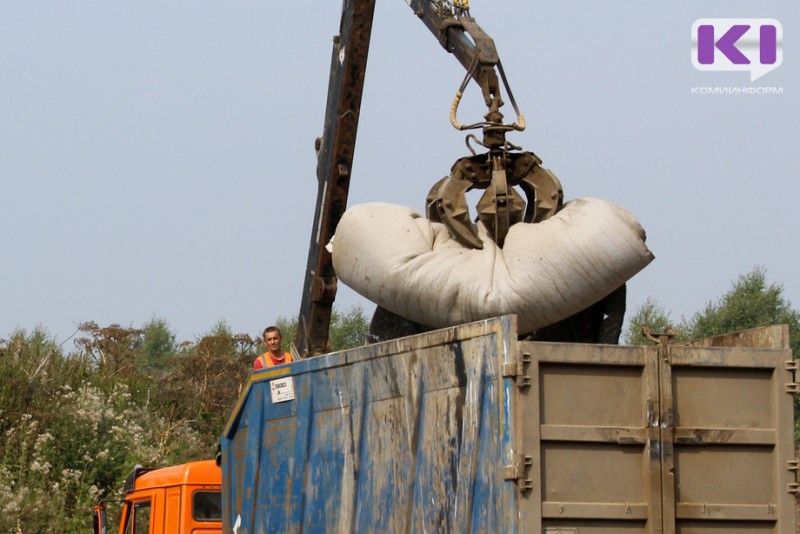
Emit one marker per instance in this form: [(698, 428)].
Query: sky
[(157, 158)]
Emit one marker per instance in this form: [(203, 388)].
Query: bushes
[(74, 425), (58, 463)]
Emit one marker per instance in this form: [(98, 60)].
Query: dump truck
[(469, 429), (486, 415), (180, 499)]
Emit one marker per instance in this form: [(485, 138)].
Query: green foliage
[(653, 316), (288, 328), (203, 382), (26, 361), (220, 329), (158, 345), (750, 303), (66, 442), (74, 425), (348, 329)]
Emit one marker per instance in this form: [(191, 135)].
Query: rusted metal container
[(466, 429)]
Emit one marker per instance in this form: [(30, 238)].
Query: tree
[(158, 345), (751, 302), (348, 329), (201, 383)]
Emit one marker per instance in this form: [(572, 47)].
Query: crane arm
[(335, 151), (460, 35), (477, 55)]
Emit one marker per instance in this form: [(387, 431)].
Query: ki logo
[(754, 45)]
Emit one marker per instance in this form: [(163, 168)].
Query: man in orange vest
[(275, 354)]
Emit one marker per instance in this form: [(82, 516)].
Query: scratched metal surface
[(409, 435)]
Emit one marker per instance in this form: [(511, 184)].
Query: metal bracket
[(792, 387), (518, 370), (793, 487), (518, 470)]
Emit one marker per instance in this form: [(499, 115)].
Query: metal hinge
[(519, 370), (792, 387), (793, 487), (518, 470)]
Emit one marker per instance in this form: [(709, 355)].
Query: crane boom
[(335, 151)]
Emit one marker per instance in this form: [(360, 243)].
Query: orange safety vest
[(266, 360)]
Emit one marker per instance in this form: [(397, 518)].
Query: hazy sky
[(157, 158)]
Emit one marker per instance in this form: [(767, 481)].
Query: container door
[(728, 437), (589, 423), (666, 438)]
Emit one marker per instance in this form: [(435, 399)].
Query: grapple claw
[(548, 193), (447, 203), (501, 206)]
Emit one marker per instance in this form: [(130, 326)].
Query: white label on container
[(282, 389)]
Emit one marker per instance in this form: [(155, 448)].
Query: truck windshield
[(207, 506)]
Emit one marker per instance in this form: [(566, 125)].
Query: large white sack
[(545, 272)]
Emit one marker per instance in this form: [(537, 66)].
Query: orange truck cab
[(182, 499)]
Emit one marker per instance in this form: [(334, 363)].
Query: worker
[(275, 354)]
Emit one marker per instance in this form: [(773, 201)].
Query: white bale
[(545, 272)]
